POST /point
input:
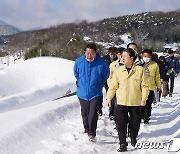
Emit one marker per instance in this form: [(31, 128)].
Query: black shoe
[(122, 148), (99, 112), (86, 131), (92, 138), (133, 142), (146, 122), (111, 117), (154, 102)]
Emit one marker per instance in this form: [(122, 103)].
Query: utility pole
[(8, 60), (40, 52)]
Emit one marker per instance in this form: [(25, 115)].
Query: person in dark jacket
[(109, 58), (160, 64), (91, 72), (173, 70), (163, 76)]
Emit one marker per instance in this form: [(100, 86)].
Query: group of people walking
[(130, 80)]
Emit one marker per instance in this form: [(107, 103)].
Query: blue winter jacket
[(90, 77), (173, 63)]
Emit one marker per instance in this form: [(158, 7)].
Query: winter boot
[(133, 142), (122, 148)]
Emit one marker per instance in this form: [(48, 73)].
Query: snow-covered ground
[(33, 122), (9, 60)]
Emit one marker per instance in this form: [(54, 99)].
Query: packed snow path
[(59, 131), (35, 125)]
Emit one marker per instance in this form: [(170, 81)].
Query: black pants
[(122, 120), (89, 114), (101, 104), (106, 86), (148, 106), (171, 82), (111, 108)]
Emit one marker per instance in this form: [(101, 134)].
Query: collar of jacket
[(171, 57), (96, 57), (131, 71), (120, 62), (149, 63)]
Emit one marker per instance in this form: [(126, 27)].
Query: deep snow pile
[(31, 123), (34, 81)]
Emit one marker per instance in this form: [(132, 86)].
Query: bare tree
[(140, 36)]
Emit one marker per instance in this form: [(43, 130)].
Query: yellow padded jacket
[(130, 88), (113, 67), (154, 80)]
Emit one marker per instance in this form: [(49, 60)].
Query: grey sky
[(27, 14)]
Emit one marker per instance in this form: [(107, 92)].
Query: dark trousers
[(101, 104), (111, 108), (89, 114), (122, 120), (148, 106), (106, 86), (170, 85)]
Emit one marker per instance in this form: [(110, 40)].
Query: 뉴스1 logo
[(173, 145), (150, 145)]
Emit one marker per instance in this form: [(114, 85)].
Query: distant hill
[(148, 29), (2, 23), (7, 29), (178, 10)]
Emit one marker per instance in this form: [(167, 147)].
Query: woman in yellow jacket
[(154, 82), (130, 84)]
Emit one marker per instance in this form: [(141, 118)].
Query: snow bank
[(34, 81), (35, 73)]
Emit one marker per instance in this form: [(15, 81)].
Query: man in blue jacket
[(91, 72), (173, 69)]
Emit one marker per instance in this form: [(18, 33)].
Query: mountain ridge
[(7, 29), (147, 29)]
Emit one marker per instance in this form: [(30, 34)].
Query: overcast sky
[(27, 14)]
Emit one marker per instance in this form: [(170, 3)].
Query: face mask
[(146, 59), (90, 60)]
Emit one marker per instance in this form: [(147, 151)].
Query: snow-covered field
[(32, 123)]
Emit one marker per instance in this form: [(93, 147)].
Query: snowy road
[(55, 127), (59, 131)]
